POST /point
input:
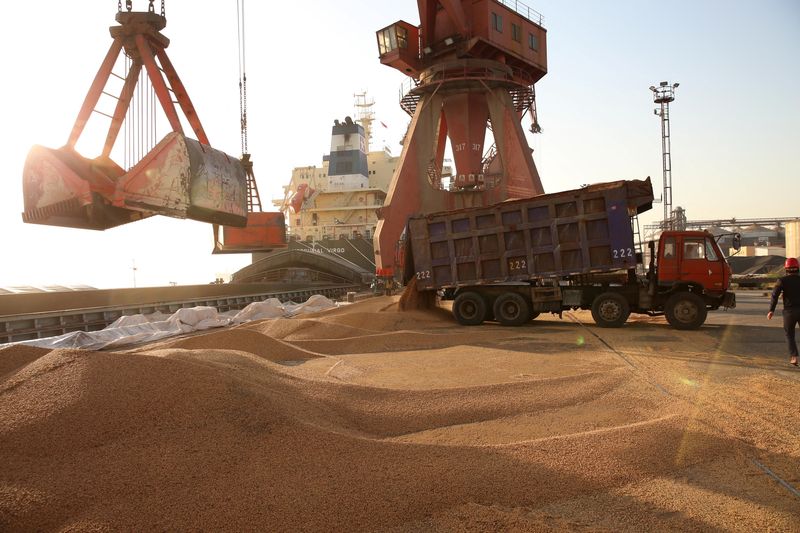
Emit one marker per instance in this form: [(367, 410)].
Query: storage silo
[(793, 238)]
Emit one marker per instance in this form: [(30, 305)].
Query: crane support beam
[(455, 9), (182, 96), (160, 87), (123, 104), (92, 97)]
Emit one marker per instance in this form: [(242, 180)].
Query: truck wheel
[(511, 309), (610, 310), (469, 308), (685, 310)]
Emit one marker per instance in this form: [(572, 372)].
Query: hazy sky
[(734, 122)]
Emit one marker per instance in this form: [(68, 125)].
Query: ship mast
[(365, 115)]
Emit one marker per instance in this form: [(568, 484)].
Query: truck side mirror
[(737, 241)]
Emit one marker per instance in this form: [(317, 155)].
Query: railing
[(522, 93), (525, 11)]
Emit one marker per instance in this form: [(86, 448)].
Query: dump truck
[(577, 249)]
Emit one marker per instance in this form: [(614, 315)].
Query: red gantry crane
[(472, 65), (178, 177)]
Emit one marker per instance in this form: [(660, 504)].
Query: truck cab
[(688, 277), (692, 258)]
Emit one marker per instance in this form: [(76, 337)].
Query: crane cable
[(253, 198), (242, 74)]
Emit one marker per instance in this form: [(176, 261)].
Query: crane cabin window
[(497, 22), (533, 42), (392, 38), (402, 37), (516, 32)]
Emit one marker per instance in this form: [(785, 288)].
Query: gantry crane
[(472, 64)]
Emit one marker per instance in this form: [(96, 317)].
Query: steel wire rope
[(126, 135), (242, 56), (139, 118), (153, 105)]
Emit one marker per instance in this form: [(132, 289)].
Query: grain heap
[(367, 419), (412, 299)]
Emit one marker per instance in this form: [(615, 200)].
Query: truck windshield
[(711, 255)]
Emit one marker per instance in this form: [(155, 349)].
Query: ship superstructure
[(331, 209), (339, 199)]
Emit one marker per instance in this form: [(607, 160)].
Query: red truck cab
[(692, 258)]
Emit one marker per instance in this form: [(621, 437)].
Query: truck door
[(668, 260), (716, 281), (701, 264)]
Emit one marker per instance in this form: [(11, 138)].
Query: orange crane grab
[(179, 177)]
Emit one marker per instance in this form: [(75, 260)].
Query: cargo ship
[(331, 209)]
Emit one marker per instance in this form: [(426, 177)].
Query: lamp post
[(663, 95)]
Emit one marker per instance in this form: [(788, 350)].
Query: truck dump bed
[(572, 232)]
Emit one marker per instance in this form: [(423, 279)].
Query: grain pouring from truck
[(570, 250)]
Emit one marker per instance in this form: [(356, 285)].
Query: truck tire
[(610, 310), (469, 308), (511, 309), (685, 310)]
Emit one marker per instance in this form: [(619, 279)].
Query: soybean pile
[(368, 418)]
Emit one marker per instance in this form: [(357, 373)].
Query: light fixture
[(652, 87), (427, 50), (448, 41), (675, 86)]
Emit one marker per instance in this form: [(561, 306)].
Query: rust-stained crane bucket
[(62, 188), (264, 232), (180, 178), (185, 179)]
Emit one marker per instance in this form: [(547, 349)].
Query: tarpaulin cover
[(137, 329)]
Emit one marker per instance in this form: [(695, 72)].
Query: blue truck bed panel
[(573, 232)]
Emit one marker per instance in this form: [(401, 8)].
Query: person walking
[(789, 286)]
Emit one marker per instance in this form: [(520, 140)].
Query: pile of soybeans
[(366, 418)]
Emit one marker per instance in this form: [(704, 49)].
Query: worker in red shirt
[(789, 285)]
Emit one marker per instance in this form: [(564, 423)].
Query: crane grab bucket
[(183, 178), (180, 178), (62, 188)]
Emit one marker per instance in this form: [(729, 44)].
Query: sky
[(734, 121)]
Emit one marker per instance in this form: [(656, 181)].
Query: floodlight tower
[(663, 95)]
